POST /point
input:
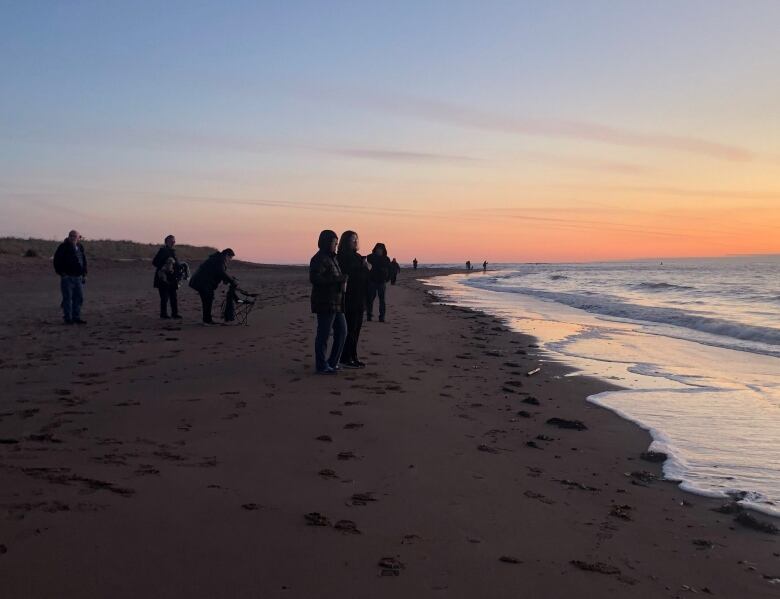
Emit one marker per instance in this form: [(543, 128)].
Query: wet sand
[(149, 458)]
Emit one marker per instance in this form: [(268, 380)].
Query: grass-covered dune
[(108, 249)]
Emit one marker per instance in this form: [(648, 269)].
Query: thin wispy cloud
[(405, 156), (464, 116)]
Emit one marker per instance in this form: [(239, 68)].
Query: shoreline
[(182, 460)]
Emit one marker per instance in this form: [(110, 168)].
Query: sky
[(505, 131)]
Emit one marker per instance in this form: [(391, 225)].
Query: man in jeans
[(70, 263)]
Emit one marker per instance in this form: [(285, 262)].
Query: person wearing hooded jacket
[(207, 278), (357, 270), (328, 285), (377, 280), (164, 283)]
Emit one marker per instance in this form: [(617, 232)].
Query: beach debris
[(346, 455), (533, 372), (750, 521), (509, 559), (326, 438), (576, 485), (487, 448), (621, 511), (576, 425), (250, 506), (347, 526), (390, 566), (656, 457), (538, 497), (599, 567), (643, 476), (316, 519), (531, 400), (362, 498)]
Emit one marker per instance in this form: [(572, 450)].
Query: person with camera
[(207, 278), (70, 263), (166, 280)]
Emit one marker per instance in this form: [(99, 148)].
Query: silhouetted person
[(377, 280), (167, 286), (468, 264), (414, 264), (395, 268), (356, 268), (70, 263), (328, 284), (207, 278), (484, 266)]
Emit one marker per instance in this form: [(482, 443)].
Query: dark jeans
[(207, 299), (354, 320), (326, 322), (72, 298), (168, 294), (375, 289)]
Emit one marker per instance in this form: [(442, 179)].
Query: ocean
[(695, 344)]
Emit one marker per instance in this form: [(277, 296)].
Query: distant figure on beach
[(395, 268), (356, 268), (377, 281), (165, 280), (207, 278), (70, 263), (468, 264), (484, 266), (328, 285), (414, 264)]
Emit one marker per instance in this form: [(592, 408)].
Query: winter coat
[(211, 273), (160, 259), (380, 269), (66, 260), (351, 264), (326, 281)]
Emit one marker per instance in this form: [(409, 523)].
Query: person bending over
[(357, 269), (70, 263), (377, 280), (328, 284), (207, 278), (168, 291)]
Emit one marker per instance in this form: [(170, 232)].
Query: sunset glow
[(520, 132)]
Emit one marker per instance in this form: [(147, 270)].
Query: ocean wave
[(662, 287), (611, 307)]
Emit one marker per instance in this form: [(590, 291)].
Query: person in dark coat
[(207, 278), (328, 285), (395, 268), (484, 266), (377, 281), (414, 263), (357, 269), (70, 263), (168, 290)]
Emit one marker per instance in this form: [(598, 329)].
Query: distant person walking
[(395, 268), (484, 266), (356, 268), (70, 263), (328, 284), (377, 281), (165, 278), (468, 264), (414, 264), (207, 278)]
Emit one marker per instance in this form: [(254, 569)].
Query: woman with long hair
[(328, 284), (357, 268)]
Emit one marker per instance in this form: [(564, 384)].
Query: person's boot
[(164, 315)]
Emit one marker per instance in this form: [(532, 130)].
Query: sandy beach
[(150, 458)]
